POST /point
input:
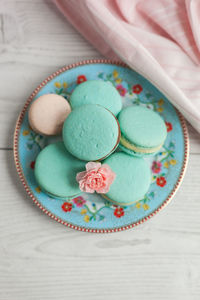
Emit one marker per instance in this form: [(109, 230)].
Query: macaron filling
[(127, 144), (143, 130)]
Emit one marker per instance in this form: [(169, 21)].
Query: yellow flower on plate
[(161, 102), (138, 205), (83, 211), (57, 84), (166, 164), (86, 218), (118, 80), (115, 74), (38, 189), (145, 206), (65, 85), (25, 132), (173, 162), (160, 109)]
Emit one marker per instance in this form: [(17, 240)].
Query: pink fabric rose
[(96, 178)]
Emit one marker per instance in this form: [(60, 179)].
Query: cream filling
[(130, 146)]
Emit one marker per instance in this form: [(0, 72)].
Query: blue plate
[(90, 212)]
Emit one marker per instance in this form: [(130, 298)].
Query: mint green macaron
[(91, 132), (132, 181), (97, 92), (55, 171), (143, 131)]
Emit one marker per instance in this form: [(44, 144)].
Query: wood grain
[(35, 40), (41, 259)]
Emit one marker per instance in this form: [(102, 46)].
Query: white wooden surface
[(39, 258)]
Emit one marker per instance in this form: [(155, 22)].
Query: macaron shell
[(97, 92), (133, 177), (117, 203), (62, 198), (56, 169), (142, 127), (91, 132), (48, 113)]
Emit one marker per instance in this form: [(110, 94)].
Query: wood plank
[(194, 140), (36, 40), (37, 33), (41, 259)]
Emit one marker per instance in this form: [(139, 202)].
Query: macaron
[(143, 131), (132, 181), (47, 114), (91, 132), (97, 92), (55, 171)]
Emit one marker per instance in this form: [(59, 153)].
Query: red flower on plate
[(79, 201), (137, 89), (121, 90), (156, 167), (80, 79), (119, 212), (169, 126), (32, 164), (161, 181), (67, 206)]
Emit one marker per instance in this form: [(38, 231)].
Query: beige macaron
[(48, 113)]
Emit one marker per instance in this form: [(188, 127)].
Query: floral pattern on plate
[(91, 210)]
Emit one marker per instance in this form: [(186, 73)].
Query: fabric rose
[(96, 178)]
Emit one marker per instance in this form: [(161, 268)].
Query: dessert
[(91, 132), (97, 92), (143, 131), (55, 171), (47, 114), (132, 179)]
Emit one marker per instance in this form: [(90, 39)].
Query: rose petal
[(111, 178), (108, 173), (91, 165), (80, 175), (97, 178), (84, 187), (105, 169), (88, 189), (103, 190)]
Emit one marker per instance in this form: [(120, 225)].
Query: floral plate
[(90, 212)]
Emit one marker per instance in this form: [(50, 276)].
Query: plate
[(90, 212)]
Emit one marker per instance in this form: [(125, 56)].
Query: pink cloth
[(159, 39)]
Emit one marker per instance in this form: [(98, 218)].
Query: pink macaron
[(48, 113)]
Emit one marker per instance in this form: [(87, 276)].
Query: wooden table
[(39, 258)]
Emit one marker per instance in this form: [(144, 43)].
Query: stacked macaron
[(93, 124), (142, 130)]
